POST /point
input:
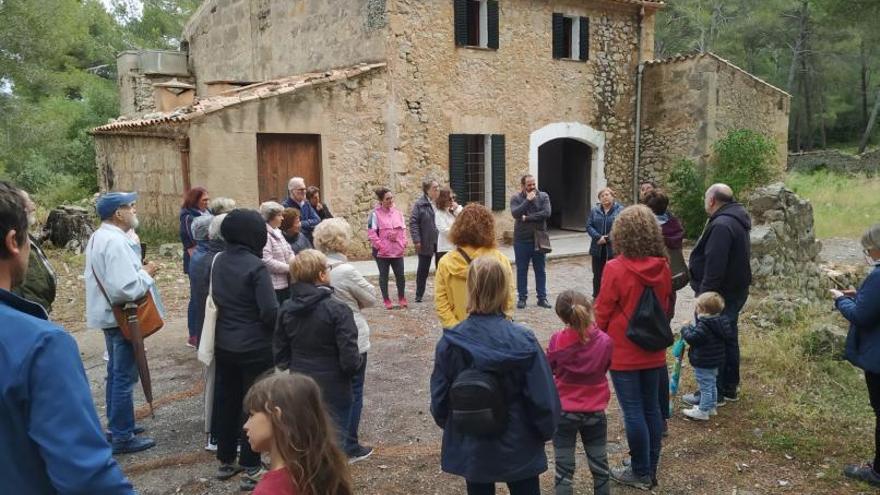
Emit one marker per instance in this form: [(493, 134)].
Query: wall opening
[(564, 174)]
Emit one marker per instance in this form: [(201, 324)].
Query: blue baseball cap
[(110, 202)]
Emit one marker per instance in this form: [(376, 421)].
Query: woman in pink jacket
[(277, 254), (387, 232)]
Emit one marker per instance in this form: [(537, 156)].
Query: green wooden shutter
[(457, 149), (558, 36), (499, 174), (585, 38), (492, 23), (461, 22)]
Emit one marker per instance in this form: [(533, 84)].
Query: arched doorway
[(568, 160)]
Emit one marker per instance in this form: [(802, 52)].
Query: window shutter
[(461, 22), (457, 151), (558, 36), (585, 38), (499, 174), (492, 23)]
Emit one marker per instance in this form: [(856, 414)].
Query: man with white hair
[(310, 219), (720, 262)]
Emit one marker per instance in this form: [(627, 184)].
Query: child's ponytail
[(575, 310)]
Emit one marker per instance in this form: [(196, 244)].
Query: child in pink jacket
[(580, 356), (386, 230)]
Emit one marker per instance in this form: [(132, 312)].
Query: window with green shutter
[(476, 23), (477, 172), (571, 37)]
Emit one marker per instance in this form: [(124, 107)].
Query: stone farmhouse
[(354, 94)]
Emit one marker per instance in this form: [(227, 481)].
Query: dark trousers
[(873, 381), (282, 295), (664, 394), (236, 377), (528, 486), (637, 393), (525, 253), (598, 267), (593, 428), (395, 264), (728, 375), (357, 405), (423, 270)]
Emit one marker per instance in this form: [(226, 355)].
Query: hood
[(245, 228), (336, 259), (458, 267), (649, 271), (736, 211), (304, 297), (491, 343)]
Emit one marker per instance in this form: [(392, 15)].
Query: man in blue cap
[(52, 438), (113, 263)]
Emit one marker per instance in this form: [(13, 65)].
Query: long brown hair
[(192, 197), (575, 310), (444, 199), (302, 433)]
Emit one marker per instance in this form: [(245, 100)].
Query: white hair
[(214, 228), (270, 209), (294, 181), (221, 205)]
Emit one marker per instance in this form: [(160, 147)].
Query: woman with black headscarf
[(247, 309)]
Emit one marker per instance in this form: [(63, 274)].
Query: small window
[(571, 37), (476, 23), (476, 169)]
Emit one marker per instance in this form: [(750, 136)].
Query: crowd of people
[(289, 341)]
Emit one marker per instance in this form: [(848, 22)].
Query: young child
[(288, 420), (580, 356), (706, 354)]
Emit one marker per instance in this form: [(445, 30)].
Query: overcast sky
[(135, 4)]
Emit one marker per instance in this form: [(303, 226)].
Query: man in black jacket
[(530, 209), (424, 233), (720, 262)]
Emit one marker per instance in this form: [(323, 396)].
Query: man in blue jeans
[(720, 262), (115, 275), (530, 209)]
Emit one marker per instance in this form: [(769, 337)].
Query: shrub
[(686, 196)]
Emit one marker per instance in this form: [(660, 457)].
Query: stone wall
[(835, 161), (258, 40)]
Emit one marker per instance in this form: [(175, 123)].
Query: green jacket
[(39, 282)]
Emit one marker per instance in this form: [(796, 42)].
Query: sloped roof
[(690, 56), (237, 96), (645, 3)]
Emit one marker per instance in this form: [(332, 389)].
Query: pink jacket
[(387, 232), (277, 254), (579, 369)]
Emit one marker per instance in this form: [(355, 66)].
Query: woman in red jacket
[(636, 373)]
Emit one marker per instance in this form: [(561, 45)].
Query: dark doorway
[(564, 174), (282, 156)]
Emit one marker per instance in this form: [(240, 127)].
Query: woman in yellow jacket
[(474, 235)]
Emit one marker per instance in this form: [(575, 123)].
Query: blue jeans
[(637, 392), (121, 377), (191, 316), (524, 252), (354, 419), (708, 392), (728, 375)]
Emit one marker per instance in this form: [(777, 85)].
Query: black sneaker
[(138, 429), (864, 472), (730, 396), (132, 445), (418, 299), (359, 454), (521, 304), (543, 303)]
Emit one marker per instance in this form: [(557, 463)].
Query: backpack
[(648, 327), (478, 403)]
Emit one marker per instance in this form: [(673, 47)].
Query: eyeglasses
[(298, 189)]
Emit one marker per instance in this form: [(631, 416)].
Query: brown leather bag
[(148, 317)]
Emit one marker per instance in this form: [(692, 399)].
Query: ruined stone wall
[(835, 161), (258, 40), (150, 166)]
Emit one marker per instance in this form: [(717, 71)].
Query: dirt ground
[(714, 458)]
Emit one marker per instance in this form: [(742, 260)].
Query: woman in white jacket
[(447, 210), (332, 237)]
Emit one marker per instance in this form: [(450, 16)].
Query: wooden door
[(282, 156)]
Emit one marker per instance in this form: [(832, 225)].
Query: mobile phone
[(143, 253)]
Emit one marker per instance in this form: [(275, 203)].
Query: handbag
[(680, 273), (542, 242), (148, 317), (209, 327)]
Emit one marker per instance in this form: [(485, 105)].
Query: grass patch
[(156, 235), (843, 205)]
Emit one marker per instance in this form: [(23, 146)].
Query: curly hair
[(332, 235), (474, 226), (636, 233)]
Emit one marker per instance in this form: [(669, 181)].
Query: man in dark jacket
[(297, 199), (530, 209), (424, 233), (720, 262)]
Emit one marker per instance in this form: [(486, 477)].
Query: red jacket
[(579, 369), (623, 281)]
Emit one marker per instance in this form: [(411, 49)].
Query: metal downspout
[(638, 130)]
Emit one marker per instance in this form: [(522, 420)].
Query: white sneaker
[(211, 447), (106, 356), (696, 413), (713, 412)]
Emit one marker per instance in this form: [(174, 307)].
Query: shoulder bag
[(148, 317), (206, 339)]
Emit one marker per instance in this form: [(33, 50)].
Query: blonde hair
[(575, 310), (636, 234), (308, 266), (487, 285), (710, 303), (332, 235)]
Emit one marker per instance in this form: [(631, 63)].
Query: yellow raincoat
[(450, 284)]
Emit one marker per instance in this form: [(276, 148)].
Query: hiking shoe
[(250, 478), (521, 304), (388, 304), (626, 476), (403, 302), (226, 471), (133, 444), (359, 454), (713, 412), (730, 397), (691, 399), (864, 472), (696, 413), (543, 303), (138, 429)]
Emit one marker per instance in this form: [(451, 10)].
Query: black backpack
[(478, 403), (648, 326)]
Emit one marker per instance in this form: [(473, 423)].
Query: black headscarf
[(246, 228)]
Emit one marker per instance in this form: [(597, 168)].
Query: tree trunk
[(807, 79), (799, 42), (871, 121), (864, 73)]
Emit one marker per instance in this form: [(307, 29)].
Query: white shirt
[(444, 220)]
